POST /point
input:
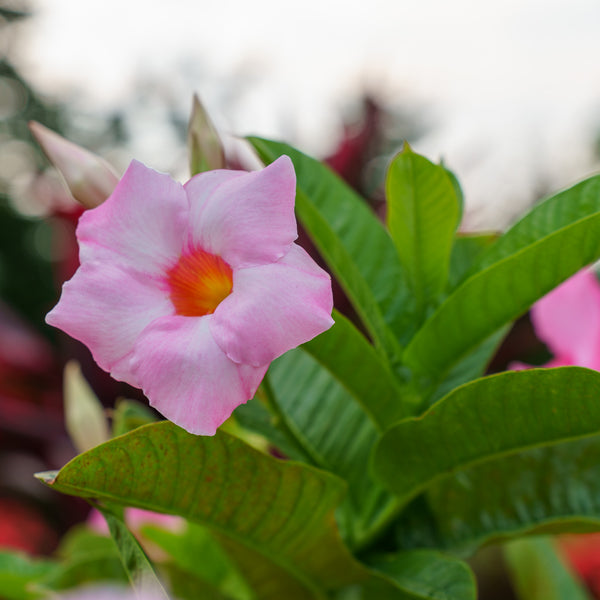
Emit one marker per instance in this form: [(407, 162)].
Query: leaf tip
[(47, 477)]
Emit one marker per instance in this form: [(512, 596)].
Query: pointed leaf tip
[(47, 477)]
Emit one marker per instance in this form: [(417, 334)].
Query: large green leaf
[(466, 252), (538, 573), (423, 213), (429, 575), (274, 518), (335, 432), (555, 489), (553, 214), (355, 245), (195, 552), (529, 264), (352, 360), (486, 419)]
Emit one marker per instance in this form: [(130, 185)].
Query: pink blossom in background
[(189, 292), (136, 518), (567, 320)]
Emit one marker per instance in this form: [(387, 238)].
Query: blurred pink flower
[(189, 292), (136, 518), (567, 320)]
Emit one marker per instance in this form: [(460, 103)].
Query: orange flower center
[(198, 283)]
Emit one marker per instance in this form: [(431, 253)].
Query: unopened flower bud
[(89, 178), (204, 145)]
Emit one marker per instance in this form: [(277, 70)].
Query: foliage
[(401, 457)]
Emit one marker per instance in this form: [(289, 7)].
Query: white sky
[(513, 85)]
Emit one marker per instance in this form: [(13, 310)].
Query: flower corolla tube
[(190, 291)]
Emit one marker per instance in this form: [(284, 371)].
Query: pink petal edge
[(249, 218), (143, 224), (107, 308), (187, 377), (273, 308)]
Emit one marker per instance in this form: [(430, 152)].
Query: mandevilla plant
[(401, 458)]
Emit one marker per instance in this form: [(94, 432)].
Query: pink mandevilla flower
[(567, 320), (189, 292)]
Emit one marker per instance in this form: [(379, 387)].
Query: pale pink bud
[(89, 178)]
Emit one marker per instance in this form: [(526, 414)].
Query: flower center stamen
[(198, 283)]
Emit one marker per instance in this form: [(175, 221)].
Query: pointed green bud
[(204, 144), (84, 415), (89, 178)]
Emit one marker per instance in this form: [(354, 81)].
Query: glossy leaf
[(423, 214), (466, 252), (429, 575), (550, 216), (543, 490), (538, 573), (335, 432), (471, 367), (195, 552), (352, 241), (278, 514), (487, 419), (530, 262), (353, 362)]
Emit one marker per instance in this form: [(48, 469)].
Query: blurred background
[(506, 92)]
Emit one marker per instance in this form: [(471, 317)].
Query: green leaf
[(518, 269), (429, 575), (129, 415), (538, 573), (135, 562), (550, 216), (423, 214), (487, 419), (352, 241), (85, 558), (466, 251), (194, 551), (184, 586), (335, 432), (460, 197), (274, 518), (471, 366), (20, 576), (353, 362), (555, 489)]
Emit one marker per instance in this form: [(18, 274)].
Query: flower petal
[(273, 308), (106, 308), (143, 224), (248, 220), (187, 377), (567, 320)]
